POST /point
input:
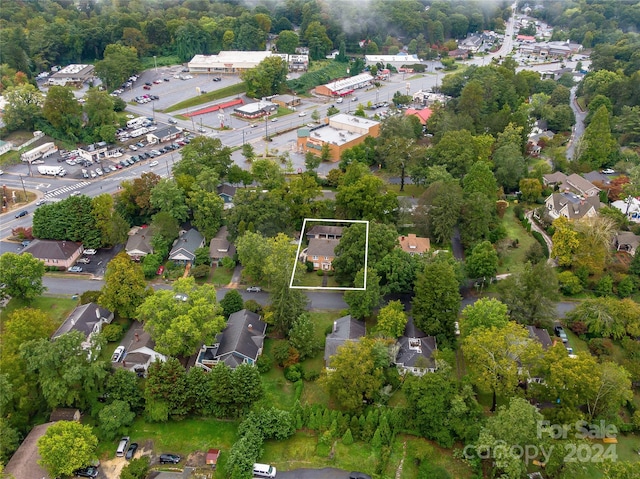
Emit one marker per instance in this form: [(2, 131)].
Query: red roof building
[(423, 115)]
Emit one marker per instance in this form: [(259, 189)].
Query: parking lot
[(97, 262)]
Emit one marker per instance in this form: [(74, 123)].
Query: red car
[(160, 270), (147, 87)]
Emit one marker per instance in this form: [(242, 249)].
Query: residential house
[(345, 329), (579, 185), (415, 355), (413, 244), (325, 232), (65, 414), (423, 115), (540, 335), (626, 241), (571, 206), (320, 252), (553, 179), (61, 254), (184, 248), (139, 242), (241, 342), (286, 101), (220, 247), (25, 462), (140, 352), (597, 178), (226, 192), (88, 319), (472, 43)]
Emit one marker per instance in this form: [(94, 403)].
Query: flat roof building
[(72, 74), (237, 61), (345, 86)]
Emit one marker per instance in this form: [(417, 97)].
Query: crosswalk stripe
[(65, 189)]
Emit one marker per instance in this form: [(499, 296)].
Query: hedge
[(538, 236)]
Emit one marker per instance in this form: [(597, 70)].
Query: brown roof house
[(325, 232), (139, 243), (572, 206), (320, 252), (220, 247), (24, 462), (345, 329), (241, 342), (413, 244), (553, 179), (88, 319), (140, 352), (626, 241), (579, 185), (61, 254)]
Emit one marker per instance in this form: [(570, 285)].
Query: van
[(264, 470), (122, 447)]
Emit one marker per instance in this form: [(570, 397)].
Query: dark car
[(169, 459), (560, 332), (22, 213), (87, 472), (359, 475), (133, 447)]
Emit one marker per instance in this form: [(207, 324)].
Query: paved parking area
[(99, 261)]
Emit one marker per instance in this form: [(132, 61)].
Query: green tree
[(179, 327), (482, 261), (531, 189), (302, 336), (287, 42), (114, 419), (71, 219), (439, 210), (138, 468), (99, 108), (112, 226), (436, 301), (63, 111), (509, 165), (480, 179), (529, 294), (190, 39), (598, 144), (67, 446), (311, 161), (231, 303), (607, 317), (168, 197), (124, 286), (268, 78), (21, 276), (319, 43), (356, 374), (397, 271), (362, 303), (483, 314), (565, 241), (123, 385), (119, 63), (392, 319), (203, 154), (267, 173), (366, 199), (494, 356), (67, 375), (24, 107)]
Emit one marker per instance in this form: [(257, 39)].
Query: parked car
[(117, 354), (75, 269), (147, 87), (89, 471), (169, 459), (122, 446), (22, 213), (274, 119), (84, 260), (153, 163), (254, 289), (608, 171), (339, 100), (172, 121), (133, 147), (560, 332), (160, 270), (131, 451), (90, 251)]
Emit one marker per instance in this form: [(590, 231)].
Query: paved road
[(326, 473), (578, 128)]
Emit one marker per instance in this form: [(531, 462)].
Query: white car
[(608, 171), (153, 163), (302, 113), (89, 251), (339, 100), (117, 354)]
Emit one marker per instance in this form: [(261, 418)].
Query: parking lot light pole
[(155, 63), (23, 188)]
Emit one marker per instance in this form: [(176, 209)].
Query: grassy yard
[(57, 308), (511, 257), (225, 92), (221, 276), (312, 279)]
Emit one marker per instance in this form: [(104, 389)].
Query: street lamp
[(155, 63)]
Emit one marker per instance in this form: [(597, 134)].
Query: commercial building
[(238, 61), (75, 75), (42, 151), (342, 132), (256, 110), (394, 60), (345, 86)]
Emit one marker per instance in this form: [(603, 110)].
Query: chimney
[(137, 337), (402, 238), (250, 327), (335, 326), (98, 313)]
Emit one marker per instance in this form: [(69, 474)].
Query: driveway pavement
[(326, 473)]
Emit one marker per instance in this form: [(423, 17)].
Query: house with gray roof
[(415, 355), (572, 206), (241, 341), (345, 329), (540, 335), (139, 351), (553, 179), (88, 319), (139, 243), (220, 247), (184, 248), (24, 464), (325, 232), (626, 241), (61, 254)]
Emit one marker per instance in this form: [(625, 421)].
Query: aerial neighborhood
[(396, 239)]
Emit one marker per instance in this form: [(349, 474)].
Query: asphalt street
[(326, 473)]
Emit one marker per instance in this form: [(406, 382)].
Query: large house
[(579, 185), (139, 243), (241, 342), (345, 329), (414, 245), (140, 352), (184, 248), (220, 247), (325, 232), (320, 252), (88, 319), (60, 254), (24, 464), (572, 206), (413, 352)]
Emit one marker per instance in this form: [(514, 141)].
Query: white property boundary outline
[(334, 288)]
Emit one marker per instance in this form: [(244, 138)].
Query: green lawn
[(221, 276), (312, 279), (58, 308), (225, 92), (513, 257)]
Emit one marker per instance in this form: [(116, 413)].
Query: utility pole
[(23, 189)]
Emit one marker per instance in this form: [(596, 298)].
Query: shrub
[(253, 306), (311, 375), (264, 364), (601, 347), (285, 354), (540, 239), (112, 332), (347, 438), (604, 287), (299, 389), (320, 272), (627, 286), (579, 328), (518, 210), (136, 469), (569, 283), (90, 297), (201, 271), (293, 373), (309, 266)]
